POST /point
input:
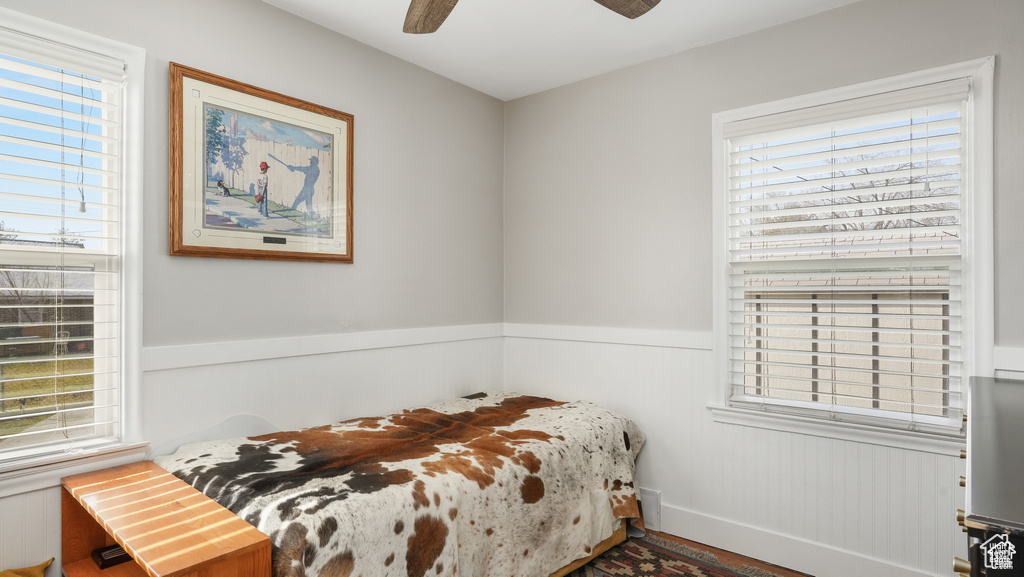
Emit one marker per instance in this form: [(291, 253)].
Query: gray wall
[(608, 181), (428, 178)]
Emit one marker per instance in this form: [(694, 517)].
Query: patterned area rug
[(653, 557)]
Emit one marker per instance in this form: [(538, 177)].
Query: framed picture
[(256, 174)]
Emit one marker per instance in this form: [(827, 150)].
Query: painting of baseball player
[(241, 149)]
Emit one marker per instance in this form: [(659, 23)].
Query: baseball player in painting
[(261, 189), (312, 172)]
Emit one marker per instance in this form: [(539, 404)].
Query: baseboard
[(650, 507), (783, 550), (219, 353)]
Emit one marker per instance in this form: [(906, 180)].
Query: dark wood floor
[(728, 557)]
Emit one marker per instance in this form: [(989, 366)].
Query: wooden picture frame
[(255, 174)]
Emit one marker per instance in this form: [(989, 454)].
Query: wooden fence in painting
[(285, 184)]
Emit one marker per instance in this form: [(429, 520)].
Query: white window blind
[(60, 209), (845, 229)]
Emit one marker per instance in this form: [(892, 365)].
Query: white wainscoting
[(1009, 362), (824, 506), (828, 507), (30, 529), (310, 381), (291, 383)]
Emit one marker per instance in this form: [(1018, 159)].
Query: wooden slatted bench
[(168, 528)]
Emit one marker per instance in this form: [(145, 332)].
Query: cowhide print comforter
[(499, 485)]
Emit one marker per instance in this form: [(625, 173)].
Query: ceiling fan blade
[(426, 16), (629, 8)]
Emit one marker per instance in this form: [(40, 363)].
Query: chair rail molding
[(169, 357)]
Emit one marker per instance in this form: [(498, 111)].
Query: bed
[(494, 484)]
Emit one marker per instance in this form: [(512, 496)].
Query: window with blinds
[(60, 239), (845, 228)]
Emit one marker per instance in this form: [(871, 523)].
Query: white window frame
[(977, 253), (45, 470)]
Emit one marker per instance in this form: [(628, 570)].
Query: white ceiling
[(512, 48)]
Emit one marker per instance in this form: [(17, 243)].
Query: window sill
[(914, 441), (46, 472)]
